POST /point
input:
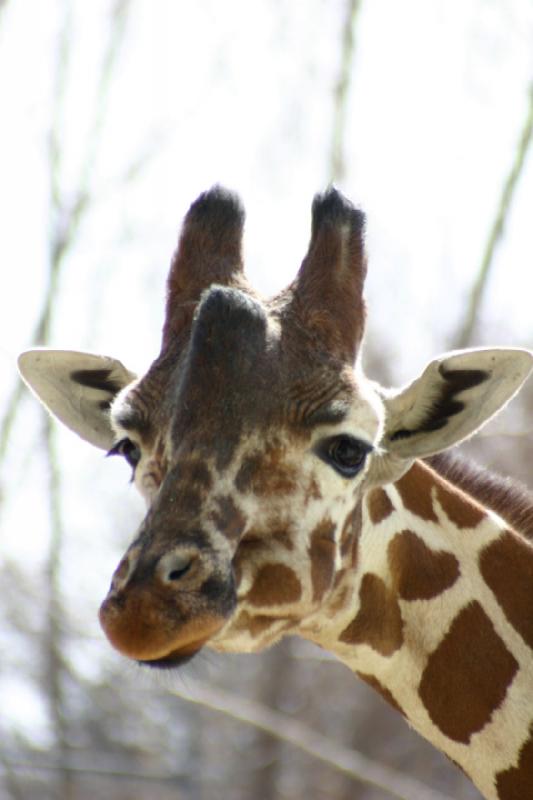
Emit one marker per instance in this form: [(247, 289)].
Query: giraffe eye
[(128, 449), (344, 453)]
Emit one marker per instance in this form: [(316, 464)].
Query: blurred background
[(115, 115)]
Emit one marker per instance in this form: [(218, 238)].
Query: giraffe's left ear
[(452, 399), (77, 388)]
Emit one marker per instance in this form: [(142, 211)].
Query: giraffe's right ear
[(77, 388), (452, 399)]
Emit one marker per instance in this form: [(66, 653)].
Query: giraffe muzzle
[(161, 613)]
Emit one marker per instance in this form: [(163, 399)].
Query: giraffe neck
[(437, 615)]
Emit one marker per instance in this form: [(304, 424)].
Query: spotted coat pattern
[(436, 643), (419, 618), (284, 499)]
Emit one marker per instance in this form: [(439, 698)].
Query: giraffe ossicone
[(288, 493)]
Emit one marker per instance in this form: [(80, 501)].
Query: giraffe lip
[(174, 659)]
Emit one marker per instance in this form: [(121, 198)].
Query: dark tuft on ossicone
[(333, 207), (209, 251), (219, 207)]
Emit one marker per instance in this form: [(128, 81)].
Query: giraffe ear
[(77, 388), (452, 399)]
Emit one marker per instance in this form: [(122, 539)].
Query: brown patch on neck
[(379, 505), (418, 572), (467, 676), (416, 490), (507, 498), (516, 783), (507, 567), (459, 508), (378, 622)]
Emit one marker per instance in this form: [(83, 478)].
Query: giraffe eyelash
[(345, 453), (129, 450)]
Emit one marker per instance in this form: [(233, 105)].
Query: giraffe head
[(254, 435)]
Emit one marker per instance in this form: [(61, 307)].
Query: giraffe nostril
[(178, 572), (176, 565)]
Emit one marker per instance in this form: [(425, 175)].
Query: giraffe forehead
[(240, 426), (257, 455), (243, 371)]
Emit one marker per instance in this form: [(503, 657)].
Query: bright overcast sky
[(243, 96)]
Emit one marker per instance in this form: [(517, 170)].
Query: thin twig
[(466, 329), (118, 24), (341, 92), (67, 218), (20, 766), (9, 771), (53, 641), (9, 417), (61, 237), (289, 730), (3, 6)]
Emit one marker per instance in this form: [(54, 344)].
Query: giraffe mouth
[(174, 659), (153, 635)]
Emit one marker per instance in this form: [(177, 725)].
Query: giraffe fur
[(289, 494)]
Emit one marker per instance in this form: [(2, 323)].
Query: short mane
[(508, 498)]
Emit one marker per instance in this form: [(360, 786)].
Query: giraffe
[(289, 494)]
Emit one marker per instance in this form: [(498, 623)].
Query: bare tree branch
[(53, 638), (9, 769), (466, 329), (67, 215), (21, 766), (337, 167), (119, 18), (3, 6), (63, 225), (8, 420), (292, 731)]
